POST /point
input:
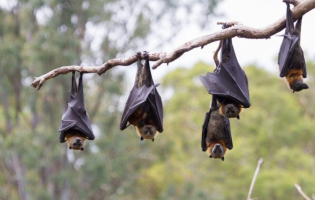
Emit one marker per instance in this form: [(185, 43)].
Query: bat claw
[(70, 148), (141, 138), (210, 156), (152, 139), (238, 117), (222, 158), (82, 149)]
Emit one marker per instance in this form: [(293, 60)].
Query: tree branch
[(299, 189), (260, 162), (237, 31)]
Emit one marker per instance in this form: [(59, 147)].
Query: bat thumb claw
[(238, 117), (82, 149), (152, 139), (210, 156), (222, 158), (70, 148), (141, 138)]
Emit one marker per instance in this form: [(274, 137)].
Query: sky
[(253, 13)]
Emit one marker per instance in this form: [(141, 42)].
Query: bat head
[(217, 151), (75, 140), (230, 110), (298, 85), (147, 132)]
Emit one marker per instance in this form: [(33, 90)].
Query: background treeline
[(37, 36)]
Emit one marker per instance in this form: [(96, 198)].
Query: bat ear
[(222, 158), (141, 138), (238, 117), (210, 156), (152, 139), (82, 149), (70, 147)]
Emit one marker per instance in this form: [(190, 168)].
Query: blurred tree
[(38, 35)]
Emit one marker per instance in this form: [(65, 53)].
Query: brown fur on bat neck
[(295, 80), (75, 140)]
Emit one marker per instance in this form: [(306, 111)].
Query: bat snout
[(298, 86), (231, 110), (149, 130), (77, 142)]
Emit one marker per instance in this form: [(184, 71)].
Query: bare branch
[(299, 189), (237, 31), (260, 162), (302, 7), (39, 81)]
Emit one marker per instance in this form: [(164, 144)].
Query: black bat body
[(228, 82), (216, 133), (291, 58), (75, 122), (144, 107)]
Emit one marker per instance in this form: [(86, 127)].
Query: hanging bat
[(291, 58), (75, 126), (144, 107), (216, 135), (228, 83)]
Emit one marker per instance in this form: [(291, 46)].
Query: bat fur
[(215, 136), (229, 108), (75, 139)]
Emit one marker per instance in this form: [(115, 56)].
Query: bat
[(144, 107), (228, 83), (216, 135), (291, 57), (75, 126)]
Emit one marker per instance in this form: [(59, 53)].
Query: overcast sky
[(253, 13)]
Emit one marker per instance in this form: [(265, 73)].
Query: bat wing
[(137, 97), (76, 116), (289, 43), (285, 54), (229, 80), (227, 133), (205, 131)]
